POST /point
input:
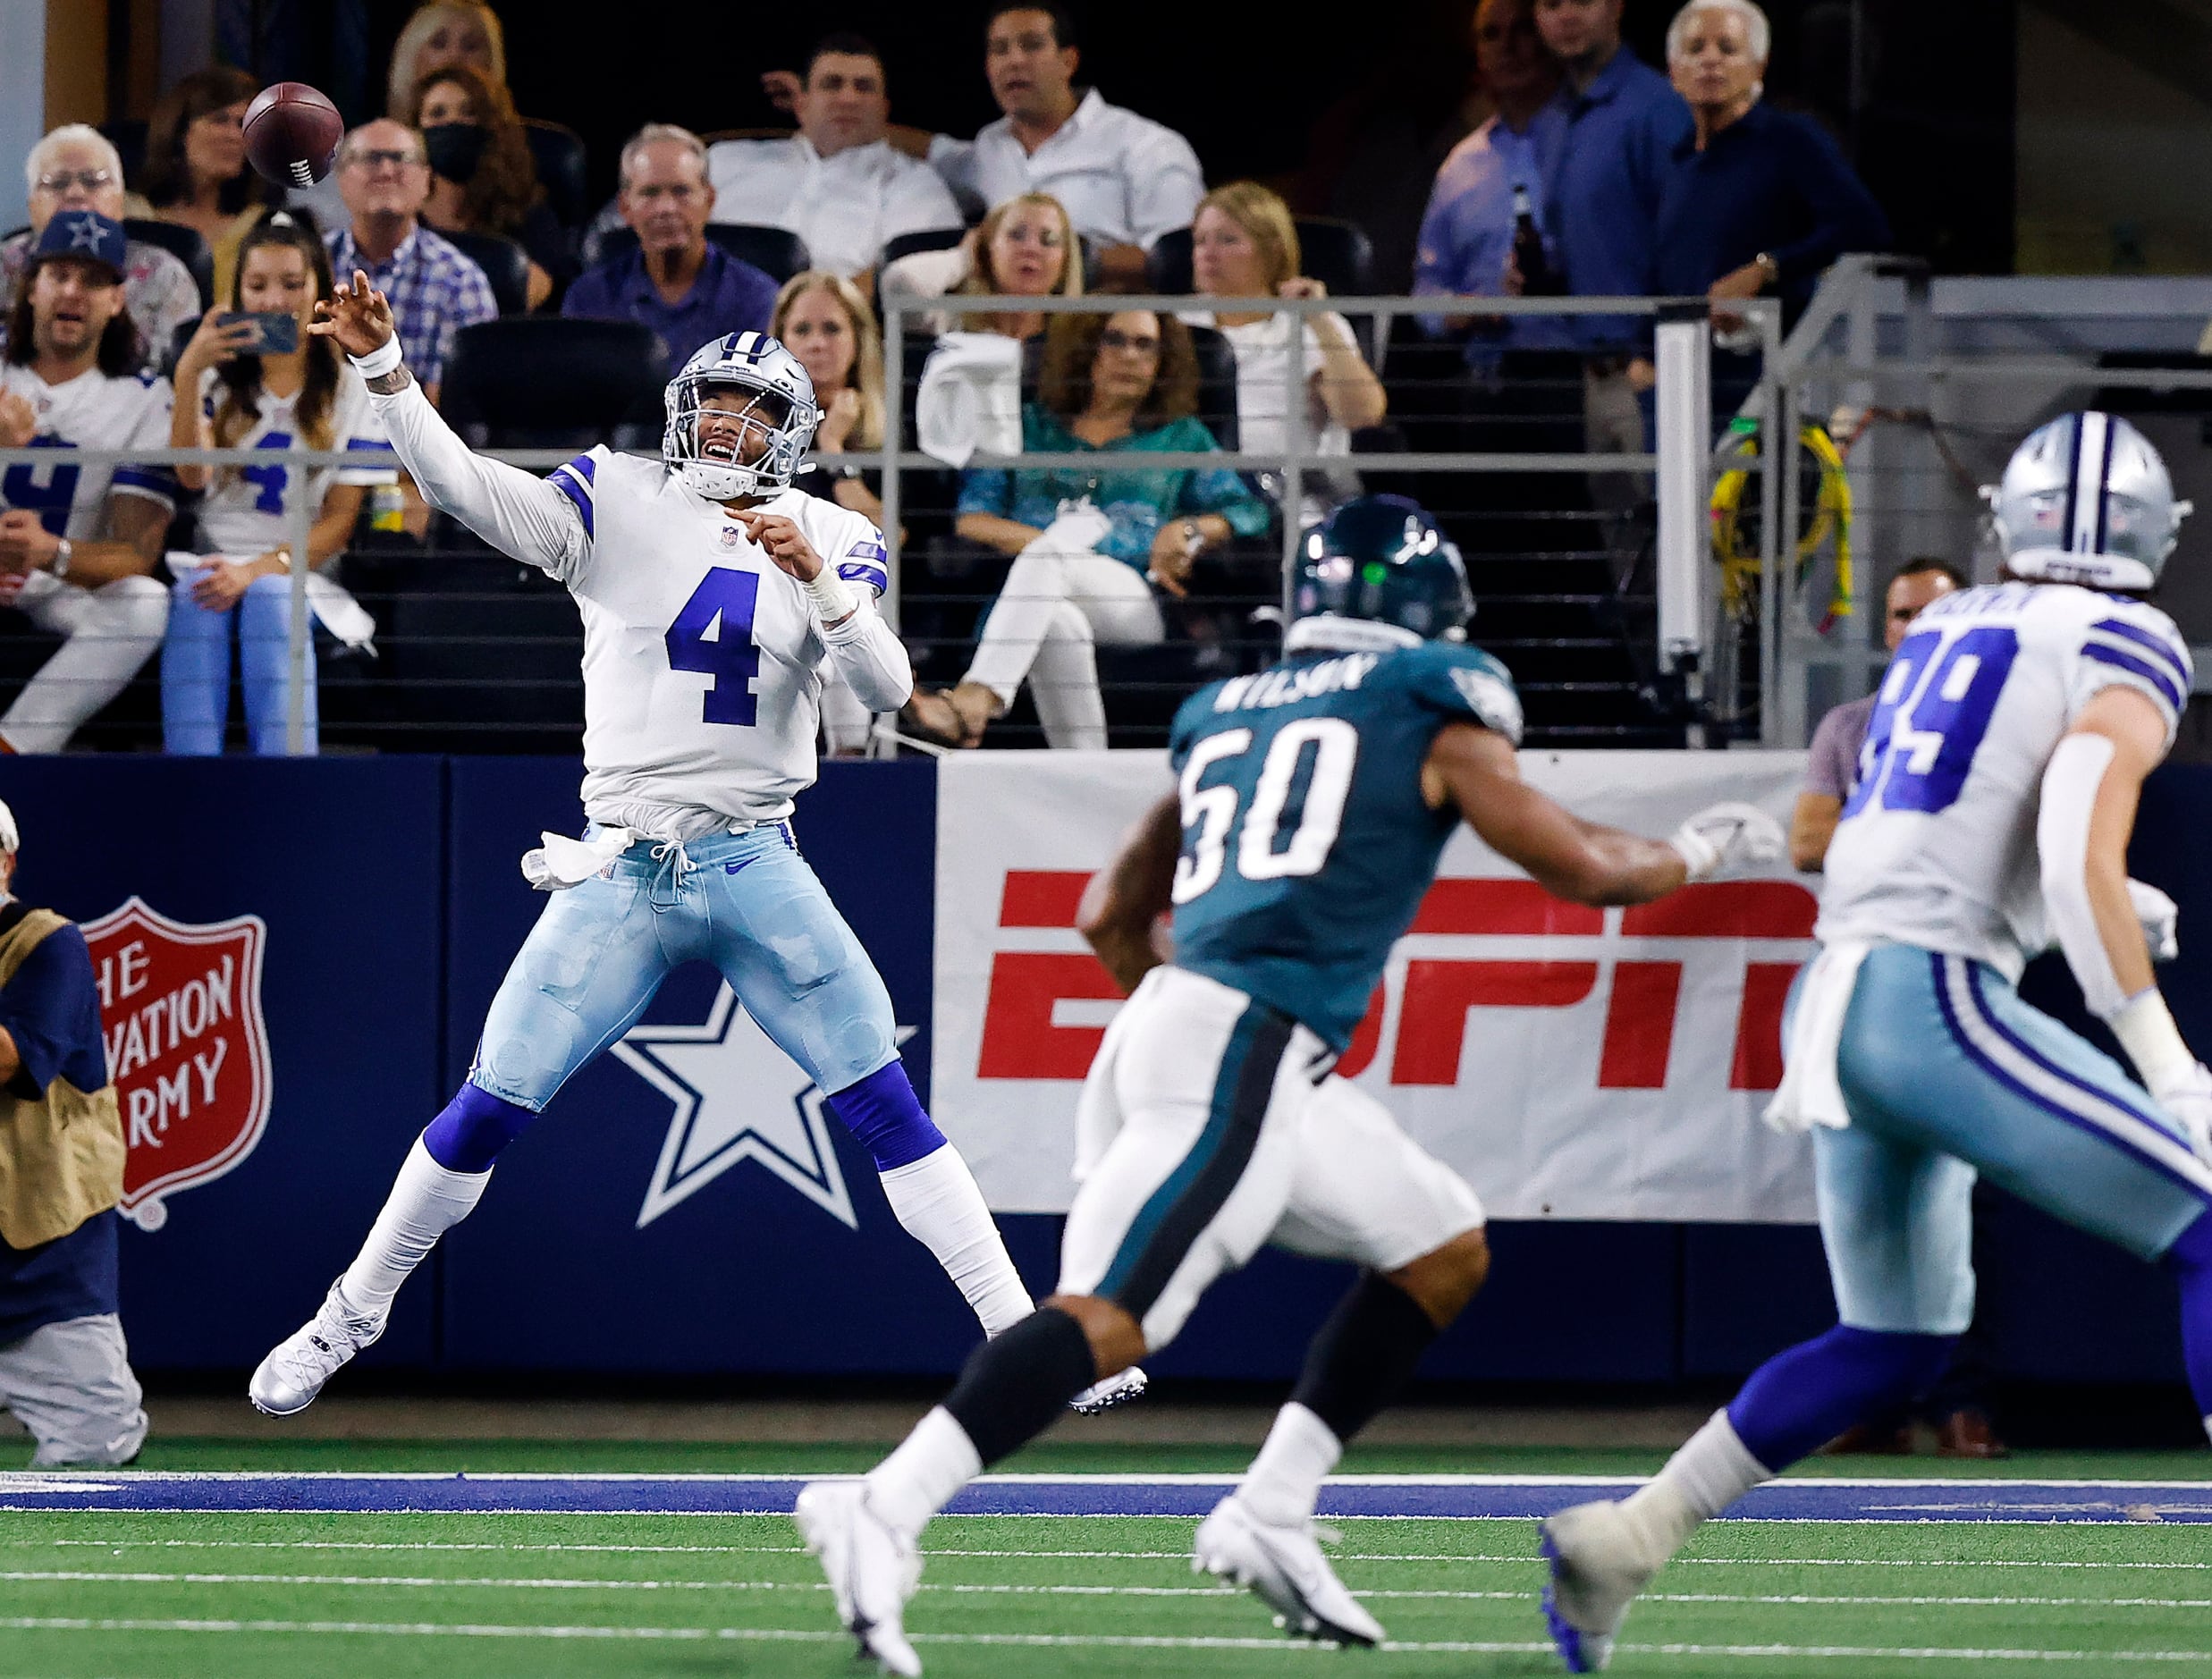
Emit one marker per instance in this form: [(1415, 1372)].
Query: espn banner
[(1571, 1063)]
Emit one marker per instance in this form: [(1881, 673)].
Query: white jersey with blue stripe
[(1937, 845), (247, 510), (90, 411)]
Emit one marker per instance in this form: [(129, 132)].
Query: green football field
[(180, 1593)]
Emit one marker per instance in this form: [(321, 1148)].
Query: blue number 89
[(1929, 723)]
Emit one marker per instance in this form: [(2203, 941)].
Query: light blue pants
[(746, 902), (1947, 1073), (196, 670)]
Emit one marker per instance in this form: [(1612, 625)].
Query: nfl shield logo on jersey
[(187, 1046)]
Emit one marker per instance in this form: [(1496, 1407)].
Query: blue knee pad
[(883, 1111), (475, 1126), (1798, 1401)]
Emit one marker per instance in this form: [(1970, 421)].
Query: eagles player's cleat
[(1285, 1568), (873, 1568), (1597, 1563), (291, 1376), (1115, 1390)]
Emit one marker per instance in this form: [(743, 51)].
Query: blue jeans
[(196, 670), (748, 904)]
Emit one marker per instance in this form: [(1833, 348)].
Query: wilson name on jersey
[(1306, 843), (703, 663), (90, 411), (1937, 844)]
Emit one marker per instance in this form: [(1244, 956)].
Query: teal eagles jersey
[(1306, 846)]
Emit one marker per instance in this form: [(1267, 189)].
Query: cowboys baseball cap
[(88, 236)]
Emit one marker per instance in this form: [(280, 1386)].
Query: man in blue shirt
[(1466, 234), (685, 289)]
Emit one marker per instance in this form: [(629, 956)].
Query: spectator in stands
[(64, 1370), (442, 33), (1751, 199), (1467, 231), (79, 543), (686, 288), (434, 290), (1090, 547), (196, 171), (75, 167), (1125, 179), (237, 396), (1025, 248), (838, 183), (822, 318), (1244, 244), (482, 179)]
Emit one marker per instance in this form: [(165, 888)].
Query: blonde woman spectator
[(482, 178), (442, 33), (196, 173), (75, 168), (1024, 248), (1244, 244)]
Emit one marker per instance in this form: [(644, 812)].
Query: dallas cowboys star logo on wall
[(737, 1098)]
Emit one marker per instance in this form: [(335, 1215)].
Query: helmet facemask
[(731, 435)]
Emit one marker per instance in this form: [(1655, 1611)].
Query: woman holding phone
[(252, 378)]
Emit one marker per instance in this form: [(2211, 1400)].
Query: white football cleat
[(1597, 1566), (290, 1376), (873, 1569), (1283, 1565), (1115, 1390)]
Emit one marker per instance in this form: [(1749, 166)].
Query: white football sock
[(1711, 1472), (919, 1479), (427, 1201), (1286, 1478), (936, 1200)]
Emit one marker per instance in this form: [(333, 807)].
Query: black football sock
[(1364, 1355), (1013, 1388)]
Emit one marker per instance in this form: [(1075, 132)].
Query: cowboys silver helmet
[(2086, 500), (780, 409)]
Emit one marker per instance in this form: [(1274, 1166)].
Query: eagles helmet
[(1382, 557), (783, 408), (2086, 500)]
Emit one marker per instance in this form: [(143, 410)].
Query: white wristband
[(2145, 1030), (380, 360), (832, 596)]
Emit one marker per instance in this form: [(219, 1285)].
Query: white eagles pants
[(71, 1386), (113, 630), (1209, 1124), (1057, 605)]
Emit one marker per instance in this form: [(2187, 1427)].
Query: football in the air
[(292, 132)]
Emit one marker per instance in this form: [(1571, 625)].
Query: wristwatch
[(62, 550)]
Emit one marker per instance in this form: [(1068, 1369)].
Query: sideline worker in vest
[(63, 1369)]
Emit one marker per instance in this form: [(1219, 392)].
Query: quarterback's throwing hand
[(784, 542), (1727, 836), (356, 316)]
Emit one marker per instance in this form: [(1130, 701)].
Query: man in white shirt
[(1123, 179), (838, 183)]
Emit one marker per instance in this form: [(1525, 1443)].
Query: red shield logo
[(187, 1046)]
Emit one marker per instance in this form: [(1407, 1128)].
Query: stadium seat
[(497, 394), (1217, 385), (183, 243), (776, 251), (928, 238), (558, 151), (505, 263)]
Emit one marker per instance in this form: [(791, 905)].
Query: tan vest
[(62, 1157)]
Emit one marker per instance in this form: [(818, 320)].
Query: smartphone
[(276, 333)]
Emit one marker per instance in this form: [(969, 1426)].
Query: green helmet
[(1384, 558)]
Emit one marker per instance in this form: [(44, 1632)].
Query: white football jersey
[(247, 511), (90, 411), (704, 664), (1937, 846)]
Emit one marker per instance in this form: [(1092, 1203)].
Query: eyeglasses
[(383, 160), (1114, 338), (62, 180)]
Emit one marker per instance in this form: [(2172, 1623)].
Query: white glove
[(1727, 836), (2189, 1100), (2160, 916)]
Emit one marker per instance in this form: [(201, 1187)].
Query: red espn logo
[(1019, 1040)]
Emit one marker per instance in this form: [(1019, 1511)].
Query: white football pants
[(1057, 605), (113, 630)]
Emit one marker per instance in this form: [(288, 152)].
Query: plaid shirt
[(435, 291)]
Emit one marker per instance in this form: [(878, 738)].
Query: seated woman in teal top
[(1091, 545)]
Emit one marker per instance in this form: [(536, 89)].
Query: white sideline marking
[(1223, 1478), (1055, 1641)]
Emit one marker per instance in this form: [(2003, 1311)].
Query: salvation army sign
[(187, 1046)]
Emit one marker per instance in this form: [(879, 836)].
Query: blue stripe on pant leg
[(1177, 1214)]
